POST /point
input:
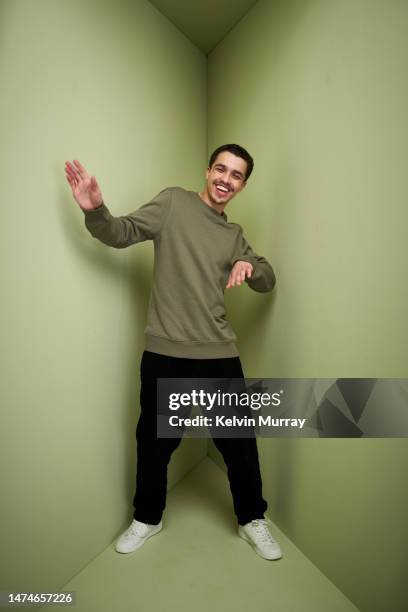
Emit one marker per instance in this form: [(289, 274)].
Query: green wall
[(317, 91), (116, 86)]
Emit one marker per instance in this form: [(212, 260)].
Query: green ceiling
[(204, 22)]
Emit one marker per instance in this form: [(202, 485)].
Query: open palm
[(85, 188)]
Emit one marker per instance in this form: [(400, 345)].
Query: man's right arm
[(145, 223)]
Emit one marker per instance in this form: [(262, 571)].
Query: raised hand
[(239, 272), (85, 188)]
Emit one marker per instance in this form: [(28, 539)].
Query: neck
[(219, 207)]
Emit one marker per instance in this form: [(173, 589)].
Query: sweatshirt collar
[(209, 208)]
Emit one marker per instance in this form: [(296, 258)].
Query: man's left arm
[(261, 278)]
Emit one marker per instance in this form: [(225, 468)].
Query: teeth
[(222, 188)]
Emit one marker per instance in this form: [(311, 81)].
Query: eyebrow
[(224, 166)]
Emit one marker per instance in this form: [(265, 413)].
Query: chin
[(219, 200)]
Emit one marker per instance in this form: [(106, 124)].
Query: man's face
[(226, 177)]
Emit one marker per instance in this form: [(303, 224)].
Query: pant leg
[(153, 453), (240, 454)]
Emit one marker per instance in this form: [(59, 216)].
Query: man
[(198, 254)]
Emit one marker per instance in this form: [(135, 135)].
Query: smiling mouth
[(222, 190)]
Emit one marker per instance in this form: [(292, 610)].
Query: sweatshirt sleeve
[(145, 223), (263, 277)]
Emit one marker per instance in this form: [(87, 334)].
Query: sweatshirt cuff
[(97, 215), (94, 211)]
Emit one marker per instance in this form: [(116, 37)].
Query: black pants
[(153, 453)]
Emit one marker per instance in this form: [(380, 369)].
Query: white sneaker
[(135, 536), (259, 537)]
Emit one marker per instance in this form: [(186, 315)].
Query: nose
[(224, 180)]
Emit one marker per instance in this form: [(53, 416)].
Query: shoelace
[(136, 529), (261, 527)]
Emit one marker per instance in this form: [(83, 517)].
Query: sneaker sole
[(152, 533), (243, 535)]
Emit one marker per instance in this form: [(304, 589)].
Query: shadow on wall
[(252, 313), (135, 271)]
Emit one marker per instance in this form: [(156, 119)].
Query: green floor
[(198, 562)]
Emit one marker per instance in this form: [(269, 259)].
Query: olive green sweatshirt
[(195, 248)]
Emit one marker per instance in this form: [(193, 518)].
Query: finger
[(72, 184), (69, 168), (228, 285), (80, 168), (249, 272), (71, 171), (238, 275), (71, 180)]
